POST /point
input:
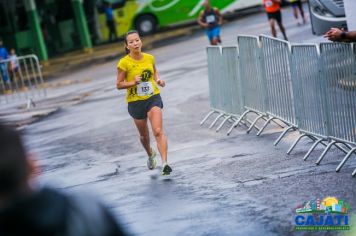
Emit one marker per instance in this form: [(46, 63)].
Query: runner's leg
[(295, 11), (300, 6), (282, 30), (273, 28), (144, 134), (155, 117)]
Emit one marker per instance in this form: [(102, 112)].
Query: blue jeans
[(4, 73)]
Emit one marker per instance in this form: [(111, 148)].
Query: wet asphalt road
[(221, 185)]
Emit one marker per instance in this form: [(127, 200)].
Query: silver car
[(325, 14)]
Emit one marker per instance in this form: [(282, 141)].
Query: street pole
[(82, 25), (30, 6)]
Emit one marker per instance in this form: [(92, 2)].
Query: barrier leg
[(216, 120), (343, 149), (295, 143), (279, 124), (265, 125), (206, 117), (312, 149), (232, 119), (253, 123), (338, 168), (222, 123), (237, 122), (324, 152), (282, 135)]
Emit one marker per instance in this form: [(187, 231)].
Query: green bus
[(147, 16)]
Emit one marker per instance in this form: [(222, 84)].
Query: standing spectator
[(211, 19), (298, 5), (26, 209), (14, 63), (339, 35), (3, 64), (110, 22), (273, 9)]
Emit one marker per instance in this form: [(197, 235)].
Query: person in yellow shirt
[(137, 73)]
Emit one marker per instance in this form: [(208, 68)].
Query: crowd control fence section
[(21, 79), (310, 88)]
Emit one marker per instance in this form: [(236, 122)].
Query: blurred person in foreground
[(27, 209), (339, 35), (211, 19)]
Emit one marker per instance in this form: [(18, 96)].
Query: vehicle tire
[(146, 24)]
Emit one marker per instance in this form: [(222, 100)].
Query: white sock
[(164, 163)]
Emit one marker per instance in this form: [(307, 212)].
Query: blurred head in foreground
[(28, 210)]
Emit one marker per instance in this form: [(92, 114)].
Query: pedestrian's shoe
[(166, 170), (151, 161)]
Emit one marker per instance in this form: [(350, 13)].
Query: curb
[(105, 53)]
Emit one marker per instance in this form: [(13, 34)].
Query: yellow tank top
[(143, 67)]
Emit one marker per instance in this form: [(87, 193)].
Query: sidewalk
[(63, 64), (19, 113)]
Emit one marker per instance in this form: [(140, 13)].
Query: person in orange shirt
[(273, 9)]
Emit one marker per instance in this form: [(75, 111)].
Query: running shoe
[(166, 170), (151, 161)]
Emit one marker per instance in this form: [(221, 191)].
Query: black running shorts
[(139, 109), (275, 15)]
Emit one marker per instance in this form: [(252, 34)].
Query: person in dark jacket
[(27, 210)]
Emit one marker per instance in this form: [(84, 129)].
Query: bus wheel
[(146, 24)]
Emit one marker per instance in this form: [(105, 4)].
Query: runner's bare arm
[(200, 20), (160, 82), (220, 18), (339, 35), (122, 84)]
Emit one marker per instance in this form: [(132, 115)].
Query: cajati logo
[(327, 214)]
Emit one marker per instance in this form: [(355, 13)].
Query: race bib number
[(269, 3), (144, 89), (210, 19)]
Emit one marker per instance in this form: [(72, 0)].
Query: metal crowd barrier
[(276, 54), (21, 79), (231, 85), (308, 87), (339, 70), (214, 70), (309, 95), (252, 80), (225, 96)]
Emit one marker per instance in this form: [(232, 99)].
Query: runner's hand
[(138, 79), (161, 83)]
